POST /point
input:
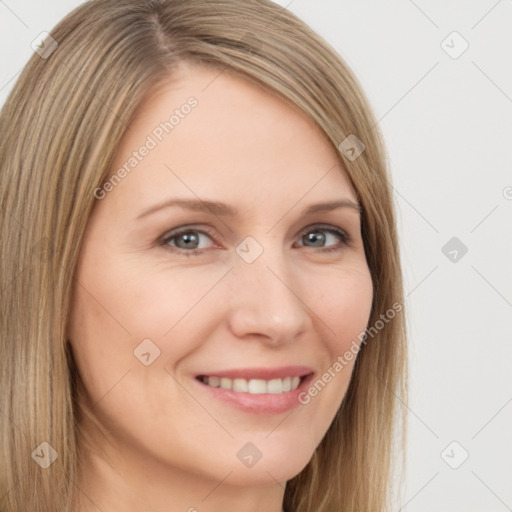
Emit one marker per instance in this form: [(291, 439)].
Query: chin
[(271, 469), (268, 475)]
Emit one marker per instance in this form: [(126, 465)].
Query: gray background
[(446, 119)]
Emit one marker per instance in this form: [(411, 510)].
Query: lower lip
[(266, 403)]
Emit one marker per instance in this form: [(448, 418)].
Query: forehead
[(238, 143)]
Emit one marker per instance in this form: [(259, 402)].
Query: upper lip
[(261, 373)]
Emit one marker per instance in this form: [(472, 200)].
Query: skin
[(154, 440)]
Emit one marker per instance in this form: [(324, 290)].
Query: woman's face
[(167, 293)]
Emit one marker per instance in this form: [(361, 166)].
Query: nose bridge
[(265, 292)]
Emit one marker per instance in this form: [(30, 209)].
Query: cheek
[(118, 305), (344, 305), (344, 309), (99, 341)]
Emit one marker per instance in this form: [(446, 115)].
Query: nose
[(267, 300)]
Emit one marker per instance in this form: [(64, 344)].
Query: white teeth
[(257, 386), (226, 383), (254, 386), (214, 382), (275, 386), (240, 385)]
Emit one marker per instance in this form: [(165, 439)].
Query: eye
[(312, 235), (186, 241)]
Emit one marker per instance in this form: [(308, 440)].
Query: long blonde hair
[(59, 131)]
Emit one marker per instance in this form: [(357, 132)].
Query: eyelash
[(345, 239)]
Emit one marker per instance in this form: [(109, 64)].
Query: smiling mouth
[(253, 386)]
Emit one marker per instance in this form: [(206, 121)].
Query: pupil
[(188, 237), (313, 237)]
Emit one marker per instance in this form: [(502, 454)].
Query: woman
[(254, 372)]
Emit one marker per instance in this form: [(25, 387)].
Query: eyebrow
[(225, 210)]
